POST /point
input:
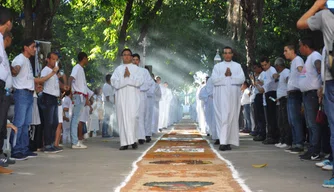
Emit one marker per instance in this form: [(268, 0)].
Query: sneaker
[(3, 162), (296, 150), (30, 154), (284, 146), (278, 145), (288, 149), (19, 157), (58, 149), (328, 167), (269, 141), (82, 145), (79, 146), (49, 150), (315, 157), (8, 160), (253, 133), (323, 163), (306, 156), (328, 183), (259, 138)]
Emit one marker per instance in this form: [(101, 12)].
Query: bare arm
[(70, 81), (15, 70), (302, 22)]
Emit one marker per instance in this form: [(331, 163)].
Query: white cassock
[(200, 111), (206, 95), (155, 113), (127, 101), (226, 101), (142, 129), (162, 107), (169, 97)]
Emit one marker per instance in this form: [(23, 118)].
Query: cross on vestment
[(144, 44)]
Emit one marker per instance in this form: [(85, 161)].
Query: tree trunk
[(122, 34), (234, 18), (251, 14), (40, 26), (149, 18), (28, 22)]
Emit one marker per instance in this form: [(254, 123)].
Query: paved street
[(102, 167)]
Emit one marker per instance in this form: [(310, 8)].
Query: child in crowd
[(245, 102)]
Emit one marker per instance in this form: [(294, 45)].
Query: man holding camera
[(320, 17)]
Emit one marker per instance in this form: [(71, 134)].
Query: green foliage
[(183, 36)]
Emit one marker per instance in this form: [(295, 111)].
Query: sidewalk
[(102, 167)]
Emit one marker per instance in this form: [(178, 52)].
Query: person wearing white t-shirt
[(259, 114), (270, 87), (245, 103), (318, 17), (5, 79), (78, 84), (309, 83), (109, 106), (49, 104), (295, 100), (143, 132), (84, 118), (23, 82), (67, 113), (282, 115)]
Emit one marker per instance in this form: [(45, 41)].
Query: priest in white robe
[(227, 77), (162, 105), (206, 95), (200, 110), (168, 100), (155, 115), (127, 79), (144, 133)]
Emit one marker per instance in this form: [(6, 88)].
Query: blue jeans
[(76, 112), (294, 107), (22, 119), (246, 112), (49, 108), (311, 106), (329, 106)]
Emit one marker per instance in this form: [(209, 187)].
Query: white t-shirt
[(25, 78), (3, 71), (245, 98), (309, 79), (108, 90), (79, 83), (67, 103), (293, 83), (51, 86), (269, 83), (282, 89)]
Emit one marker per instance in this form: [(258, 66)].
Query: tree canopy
[(183, 34)]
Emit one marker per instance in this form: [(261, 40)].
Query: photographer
[(320, 17)]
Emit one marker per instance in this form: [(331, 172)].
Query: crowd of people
[(289, 108), (51, 110)]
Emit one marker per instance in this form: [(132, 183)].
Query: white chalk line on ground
[(235, 173), (134, 165)]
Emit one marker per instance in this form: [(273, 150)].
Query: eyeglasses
[(227, 53)]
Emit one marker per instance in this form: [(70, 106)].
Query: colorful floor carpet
[(183, 161)]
